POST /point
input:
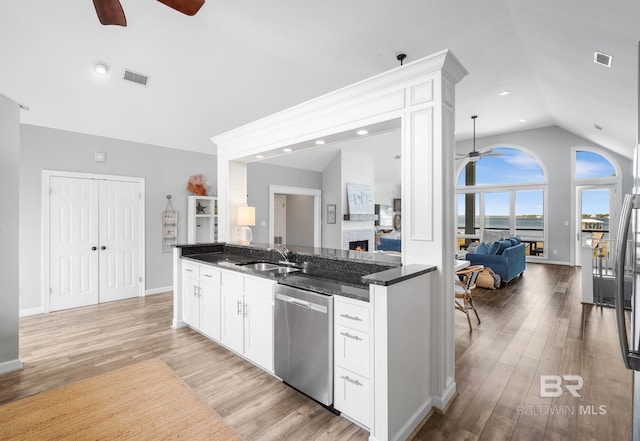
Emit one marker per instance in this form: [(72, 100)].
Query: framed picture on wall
[(397, 204), (331, 213)]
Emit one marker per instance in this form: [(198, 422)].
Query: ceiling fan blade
[(188, 7), (110, 12)]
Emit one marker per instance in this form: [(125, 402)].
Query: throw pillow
[(518, 239), (494, 248), (482, 249), (504, 244), (513, 241)]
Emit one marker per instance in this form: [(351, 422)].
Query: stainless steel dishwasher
[(304, 341)]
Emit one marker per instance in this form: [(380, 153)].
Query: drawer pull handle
[(356, 382), (188, 270), (351, 317), (353, 337), (208, 275)]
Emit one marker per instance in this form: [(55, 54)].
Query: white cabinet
[(247, 317), (202, 219), (201, 298), (352, 391)]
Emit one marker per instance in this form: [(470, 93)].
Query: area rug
[(144, 401)]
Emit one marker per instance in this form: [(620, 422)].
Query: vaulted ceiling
[(236, 61)]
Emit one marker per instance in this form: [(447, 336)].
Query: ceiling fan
[(475, 155), (110, 12)]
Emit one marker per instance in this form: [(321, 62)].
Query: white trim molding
[(161, 290), (10, 366), (299, 191)]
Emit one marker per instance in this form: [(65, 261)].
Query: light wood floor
[(535, 326)]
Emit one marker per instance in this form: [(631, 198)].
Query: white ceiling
[(237, 61)]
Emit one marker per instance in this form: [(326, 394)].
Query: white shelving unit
[(202, 222)]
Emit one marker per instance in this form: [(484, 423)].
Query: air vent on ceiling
[(601, 58), (136, 77)]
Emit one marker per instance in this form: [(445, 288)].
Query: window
[(590, 165), (508, 197)]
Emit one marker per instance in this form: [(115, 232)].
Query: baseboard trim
[(10, 366), (160, 290), (29, 312), (415, 422), (441, 404)]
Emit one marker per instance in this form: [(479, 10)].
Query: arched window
[(590, 165), (502, 194)]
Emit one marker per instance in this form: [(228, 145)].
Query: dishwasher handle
[(301, 303)]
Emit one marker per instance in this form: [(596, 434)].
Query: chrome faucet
[(282, 250)]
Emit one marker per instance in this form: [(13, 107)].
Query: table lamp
[(246, 219)]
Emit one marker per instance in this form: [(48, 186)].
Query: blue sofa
[(387, 244), (505, 257)]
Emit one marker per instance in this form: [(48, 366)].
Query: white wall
[(386, 193), (9, 221), (553, 146), (165, 172), (259, 177)]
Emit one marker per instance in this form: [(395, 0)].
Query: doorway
[(299, 218), (595, 217), (93, 239)]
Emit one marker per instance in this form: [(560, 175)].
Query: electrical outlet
[(555, 252)]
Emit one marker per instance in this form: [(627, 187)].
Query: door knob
[(94, 248), (103, 247)]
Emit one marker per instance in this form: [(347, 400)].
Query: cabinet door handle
[(351, 317), (239, 307), (94, 248), (103, 247), (244, 309), (353, 337), (195, 291), (346, 378)]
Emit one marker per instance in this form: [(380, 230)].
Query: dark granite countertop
[(330, 272)]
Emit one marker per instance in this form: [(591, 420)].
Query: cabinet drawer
[(351, 315), (352, 395), (351, 348), (210, 274), (259, 287), (190, 270), (232, 280)]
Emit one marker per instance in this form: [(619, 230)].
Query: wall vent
[(134, 77), (601, 58)]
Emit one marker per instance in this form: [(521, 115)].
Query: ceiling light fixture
[(362, 132), (504, 92), (101, 68), (287, 150), (320, 142), (260, 156), (400, 58), (522, 120)]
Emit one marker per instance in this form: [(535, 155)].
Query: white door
[(595, 216), (73, 239), (94, 241), (279, 219), (119, 240)]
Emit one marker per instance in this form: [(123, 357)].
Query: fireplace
[(359, 245)]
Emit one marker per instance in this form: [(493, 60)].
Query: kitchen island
[(381, 329)]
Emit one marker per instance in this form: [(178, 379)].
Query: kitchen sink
[(268, 266)]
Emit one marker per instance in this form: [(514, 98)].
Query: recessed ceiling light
[(362, 132), (287, 150), (101, 68), (320, 142), (522, 120), (259, 156), (504, 92), (603, 59)]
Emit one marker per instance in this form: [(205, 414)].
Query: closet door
[(119, 221), (73, 239)]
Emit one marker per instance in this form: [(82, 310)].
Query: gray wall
[(553, 146), (165, 172), (259, 177), (9, 221), (332, 194), (300, 220)]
